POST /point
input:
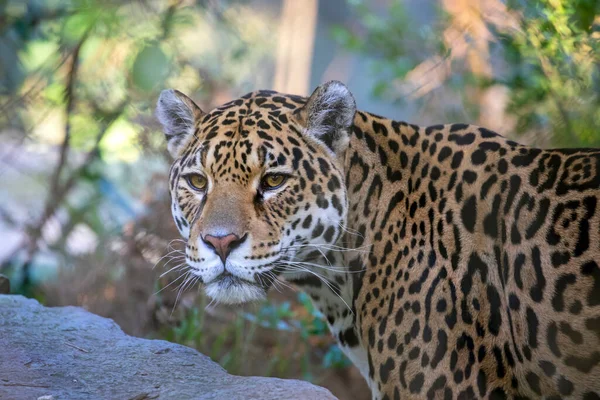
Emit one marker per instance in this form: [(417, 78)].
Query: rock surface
[(69, 353)]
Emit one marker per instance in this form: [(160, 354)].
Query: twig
[(75, 347), (167, 20), (30, 242), (55, 180), (35, 88), (551, 73), (70, 97), (565, 115), (49, 15), (53, 198), (60, 192)]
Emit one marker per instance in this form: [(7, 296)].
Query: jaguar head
[(256, 184)]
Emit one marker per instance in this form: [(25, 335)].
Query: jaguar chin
[(230, 289)]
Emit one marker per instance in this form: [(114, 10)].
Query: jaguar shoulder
[(449, 261)]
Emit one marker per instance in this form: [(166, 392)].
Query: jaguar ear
[(178, 115), (329, 114)]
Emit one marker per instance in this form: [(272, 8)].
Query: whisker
[(260, 280), (281, 282), (172, 282), (182, 289), (271, 280), (330, 247), (332, 268), (349, 230), (170, 245), (175, 267), (338, 249), (181, 259), (309, 264), (209, 304), (326, 282), (166, 255)]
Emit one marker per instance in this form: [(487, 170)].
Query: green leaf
[(150, 68), (38, 53), (76, 26)]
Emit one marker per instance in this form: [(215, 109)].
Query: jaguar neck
[(377, 160)]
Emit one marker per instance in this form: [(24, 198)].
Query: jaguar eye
[(197, 182), (273, 181)]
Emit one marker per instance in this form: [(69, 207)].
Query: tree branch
[(70, 98), (30, 242)]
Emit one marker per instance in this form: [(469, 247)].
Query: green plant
[(546, 53), (554, 69), (300, 337)]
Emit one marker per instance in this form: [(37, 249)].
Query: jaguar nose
[(223, 245)]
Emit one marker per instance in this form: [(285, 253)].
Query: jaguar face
[(256, 184)]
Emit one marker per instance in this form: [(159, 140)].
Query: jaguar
[(449, 262)]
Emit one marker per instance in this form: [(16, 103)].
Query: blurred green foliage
[(81, 77), (130, 50), (232, 346), (549, 61), (554, 69)]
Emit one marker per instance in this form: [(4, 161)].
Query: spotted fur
[(449, 261)]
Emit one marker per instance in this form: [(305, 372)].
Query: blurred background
[(84, 207)]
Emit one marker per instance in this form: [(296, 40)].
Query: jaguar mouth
[(227, 280), (230, 289)]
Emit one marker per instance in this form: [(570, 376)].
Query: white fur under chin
[(234, 294)]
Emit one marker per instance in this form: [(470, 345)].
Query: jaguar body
[(450, 262)]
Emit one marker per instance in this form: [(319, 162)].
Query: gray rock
[(69, 353)]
